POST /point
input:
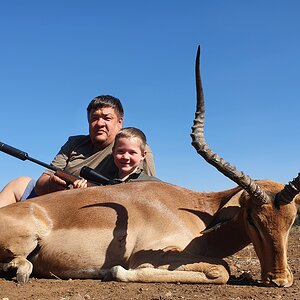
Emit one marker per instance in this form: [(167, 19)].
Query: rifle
[(87, 173)]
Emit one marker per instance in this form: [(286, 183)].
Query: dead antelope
[(152, 231)]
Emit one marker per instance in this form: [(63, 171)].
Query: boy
[(129, 151)]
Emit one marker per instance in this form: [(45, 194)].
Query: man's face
[(104, 124)]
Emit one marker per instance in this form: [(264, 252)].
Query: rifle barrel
[(86, 172), (13, 151), (24, 156)]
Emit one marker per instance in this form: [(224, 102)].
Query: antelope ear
[(222, 217), (227, 213), (297, 199)]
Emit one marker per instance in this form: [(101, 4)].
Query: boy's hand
[(80, 183)]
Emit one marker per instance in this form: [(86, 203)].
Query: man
[(105, 117)]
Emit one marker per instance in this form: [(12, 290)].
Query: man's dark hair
[(106, 101)]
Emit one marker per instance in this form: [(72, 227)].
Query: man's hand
[(55, 180), (48, 183)]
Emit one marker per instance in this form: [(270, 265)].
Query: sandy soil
[(243, 284)]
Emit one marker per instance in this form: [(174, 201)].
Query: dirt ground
[(243, 284)]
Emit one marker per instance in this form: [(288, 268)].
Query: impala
[(153, 231)]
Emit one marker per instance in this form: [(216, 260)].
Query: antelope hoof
[(213, 272), (23, 266), (118, 273), (23, 277), (217, 273)]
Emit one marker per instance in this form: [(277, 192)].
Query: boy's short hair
[(106, 101), (132, 132)]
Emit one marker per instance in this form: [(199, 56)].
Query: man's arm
[(48, 183)]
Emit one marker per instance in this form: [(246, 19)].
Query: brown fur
[(146, 232)]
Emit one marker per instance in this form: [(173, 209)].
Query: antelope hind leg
[(23, 266), (200, 272)]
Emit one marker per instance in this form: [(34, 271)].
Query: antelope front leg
[(172, 265), (23, 266), (190, 273)]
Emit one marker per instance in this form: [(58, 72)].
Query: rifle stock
[(70, 179), (58, 172)]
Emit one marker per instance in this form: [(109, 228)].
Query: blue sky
[(55, 56)]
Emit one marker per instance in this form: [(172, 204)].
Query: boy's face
[(127, 155)]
